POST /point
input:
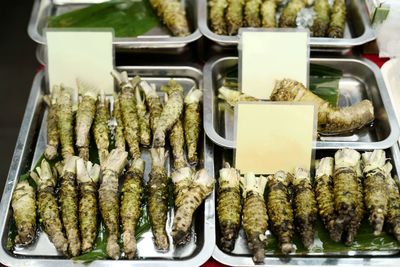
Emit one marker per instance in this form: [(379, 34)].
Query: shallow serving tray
[(358, 29), (30, 146), (361, 80), (241, 256), (158, 37)]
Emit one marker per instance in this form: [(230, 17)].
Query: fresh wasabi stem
[(171, 112), (23, 203), (153, 102), (375, 188), (252, 13), (325, 197), (88, 178), (321, 18), (130, 205), (192, 123), (119, 129), (217, 16), (158, 198), (109, 198), (234, 16), (393, 210), (100, 128), (289, 13), (280, 211), (345, 186), (84, 118), (305, 206), (255, 218), (48, 209), (330, 119), (338, 19), (268, 13), (143, 119), (173, 15), (69, 205), (202, 186), (232, 97), (65, 123), (182, 179), (229, 206), (53, 138)]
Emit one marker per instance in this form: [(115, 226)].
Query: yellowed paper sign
[(274, 136), (83, 55), (268, 56)]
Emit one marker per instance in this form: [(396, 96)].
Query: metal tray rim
[(383, 144), (331, 260), (367, 36), (126, 42), (209, 219)]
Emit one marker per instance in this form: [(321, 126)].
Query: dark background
[(18, 66)]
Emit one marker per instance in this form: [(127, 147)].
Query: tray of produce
[(116, 177), (334, 25), (354, 109), (136, 23), (346, 212)]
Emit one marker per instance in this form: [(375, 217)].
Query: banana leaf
[(128, 18)]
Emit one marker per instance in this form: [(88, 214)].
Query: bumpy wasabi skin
[(23, 203), (53, 138), (49, 214), (84, 118), (192, 123), (217, 16), (129, 111), (229, 206), (234, 16), (109, 198), (289, 13), (325, 197), (100, 128), (143, 119), (69, 206), (280, 211), (268, 12), (321, 18), (153, 102), (65, 119), (305, 206), (177, 142), (375, 188), (171, 112), (338, 19), (331, 120), (182, 179), (232, 97), (345, 186), (130, 205), (173, 15), (393, 210), (252, 13), (202, 186), (255, 218), (119, 128), (88, 177), (158, 199)]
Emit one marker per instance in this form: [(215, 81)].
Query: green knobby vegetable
[(119, 137), (393, 209), (217, 16), (268, 12), (289, 13), (100, 128), (321, 18), (192, 123), (53, 138), (153, 103), (65, 119), (182, 179), (234, 16), (143, 119), (252, 13), (338, 19)]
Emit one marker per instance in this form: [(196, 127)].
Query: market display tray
[(318, 255), (361, 80), (156, 38), (358, 30), (29, 148)]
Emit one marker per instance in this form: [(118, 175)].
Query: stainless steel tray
[(241, 256), (30, 145), (361, 79), (358, 29), (156, 38)]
